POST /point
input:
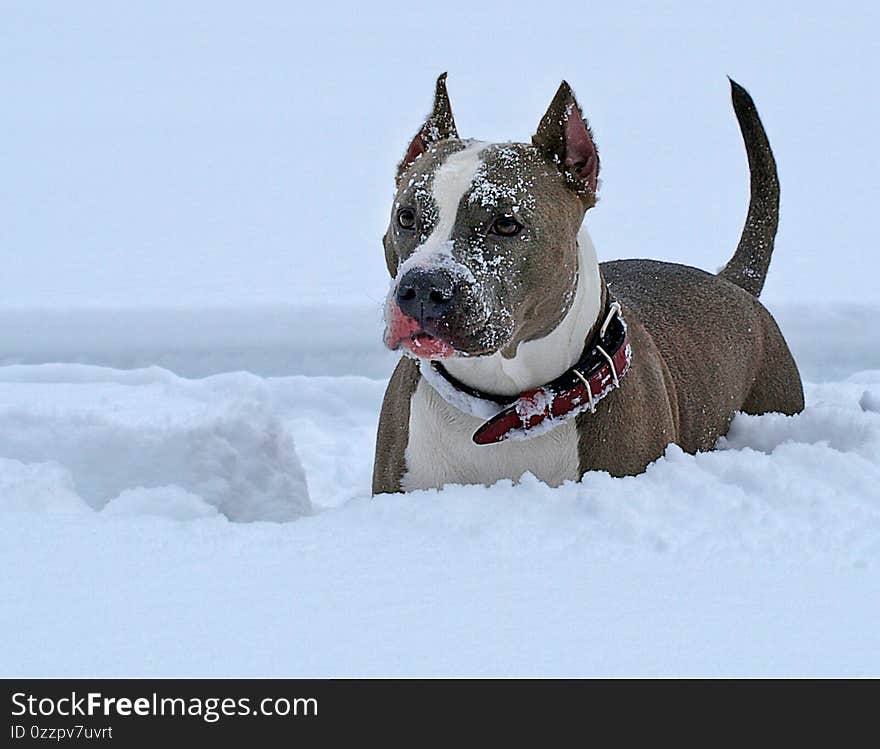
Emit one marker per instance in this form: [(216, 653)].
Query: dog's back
[(714, 336)]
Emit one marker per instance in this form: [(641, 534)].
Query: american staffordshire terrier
[(523, 353)]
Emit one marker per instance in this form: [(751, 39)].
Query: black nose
[(425, 294)]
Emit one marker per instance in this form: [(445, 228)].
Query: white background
[(166, 153)]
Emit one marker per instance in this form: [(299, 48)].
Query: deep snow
[(762, 558)]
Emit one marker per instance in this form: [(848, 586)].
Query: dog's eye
[(406, 218), (505, 226)]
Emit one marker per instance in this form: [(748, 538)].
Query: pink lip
[(405, 331), (428, 347)]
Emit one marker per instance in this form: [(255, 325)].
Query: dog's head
[(482, 242)]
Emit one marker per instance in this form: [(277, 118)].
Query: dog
[(523, 353)]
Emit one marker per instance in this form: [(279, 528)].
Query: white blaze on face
[(453, 179)]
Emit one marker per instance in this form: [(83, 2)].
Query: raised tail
[(748, 266)]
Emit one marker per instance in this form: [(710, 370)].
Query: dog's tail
[(748, 266)]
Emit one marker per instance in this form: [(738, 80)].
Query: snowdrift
[(144, 441), (119, 491)]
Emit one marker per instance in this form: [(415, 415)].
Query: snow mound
[(164, 501), (146, 441), (37, 487)]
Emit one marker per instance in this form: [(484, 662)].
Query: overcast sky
[(209, 153)]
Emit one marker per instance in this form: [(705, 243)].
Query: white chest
[(440, 450)]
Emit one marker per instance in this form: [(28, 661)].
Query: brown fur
[(703, 349), (391, 441)]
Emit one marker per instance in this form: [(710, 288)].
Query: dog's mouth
[(405, 332), (426, 346)]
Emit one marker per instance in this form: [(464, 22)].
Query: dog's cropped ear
[(565, 137), (439, 126)]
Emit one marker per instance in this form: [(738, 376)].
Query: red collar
[(602, 365)]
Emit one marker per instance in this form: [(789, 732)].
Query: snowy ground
[(156, 524)]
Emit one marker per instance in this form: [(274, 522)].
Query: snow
[(141, 530), (478, 407), (115, 434)]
